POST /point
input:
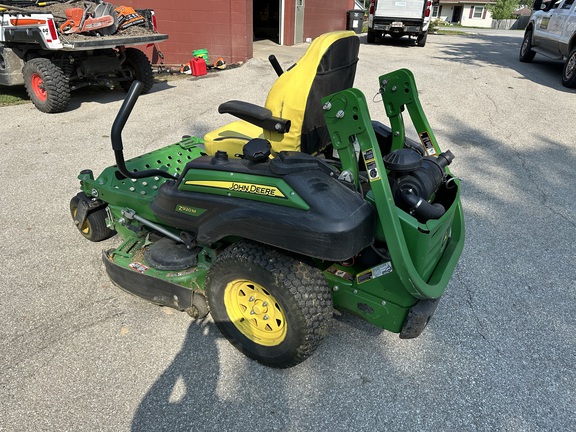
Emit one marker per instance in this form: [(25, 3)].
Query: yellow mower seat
[(328, 66)]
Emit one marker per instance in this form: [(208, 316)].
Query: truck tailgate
[(89, 43), (400, 8)]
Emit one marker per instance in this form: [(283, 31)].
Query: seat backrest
[(328, 66)]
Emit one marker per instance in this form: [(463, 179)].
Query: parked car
[(551, 32)]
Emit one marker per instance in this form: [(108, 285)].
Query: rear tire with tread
[(421, 40), (526, 53), (569, 70), (272, 307), (370, 37), (138, 67), (46, 84)]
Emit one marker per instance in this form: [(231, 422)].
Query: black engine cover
[(338, 225)]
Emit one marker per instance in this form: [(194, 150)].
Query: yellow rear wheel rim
[(255, 312)]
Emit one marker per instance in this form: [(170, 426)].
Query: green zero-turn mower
[(270, 240)]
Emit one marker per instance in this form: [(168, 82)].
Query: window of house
[(435, 10), (478, 11)]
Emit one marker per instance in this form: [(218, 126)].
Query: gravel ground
[(78, 354)]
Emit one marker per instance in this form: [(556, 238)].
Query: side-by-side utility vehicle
[(52, 55)]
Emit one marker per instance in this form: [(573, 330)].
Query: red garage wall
[(223, 27), (323, 16), (320, 16)]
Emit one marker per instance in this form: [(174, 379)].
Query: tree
[(503, 9)]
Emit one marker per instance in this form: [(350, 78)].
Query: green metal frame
[(423, 256), (138, 194)]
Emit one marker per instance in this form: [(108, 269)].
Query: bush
[(503, 9), (437, 23)]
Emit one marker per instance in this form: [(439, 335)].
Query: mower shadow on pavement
[(210, 386), (193, 394)]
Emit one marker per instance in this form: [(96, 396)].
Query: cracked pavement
[(80, 354)]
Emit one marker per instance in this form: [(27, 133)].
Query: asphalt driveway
[(79, 354)]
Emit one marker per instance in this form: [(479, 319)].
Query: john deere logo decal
[(256, 189), (251, 188)]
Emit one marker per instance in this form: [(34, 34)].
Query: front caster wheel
[(94, 227), (272, 307)]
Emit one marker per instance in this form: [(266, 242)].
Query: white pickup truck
[(50, 63), (552, 33), (399, 18)]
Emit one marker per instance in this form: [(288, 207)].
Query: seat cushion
[(231, 137), (328, 66)]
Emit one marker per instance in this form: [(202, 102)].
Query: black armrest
[(256, 115)]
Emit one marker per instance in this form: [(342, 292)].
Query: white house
[(468, 13)]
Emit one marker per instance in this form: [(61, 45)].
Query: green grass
[(13, 96)]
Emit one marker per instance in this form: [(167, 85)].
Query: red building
[(227, 28)]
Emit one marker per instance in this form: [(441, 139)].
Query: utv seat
[(292, 118)]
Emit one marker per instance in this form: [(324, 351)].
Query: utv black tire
[(94, 228), (569, 71), (526, 54), (137, 67), (421, 40), (272, 307), (46, 84), (371, 37)]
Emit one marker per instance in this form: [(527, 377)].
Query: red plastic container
[(198, 66)]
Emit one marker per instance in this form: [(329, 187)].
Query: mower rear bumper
[(418, 317)]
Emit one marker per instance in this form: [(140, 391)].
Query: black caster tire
[(94, 227)]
